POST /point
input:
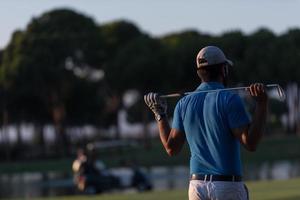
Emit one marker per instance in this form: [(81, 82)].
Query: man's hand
[(250, 136), (156, 104), (258, 91), (172, 139)]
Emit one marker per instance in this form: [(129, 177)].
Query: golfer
[(214, 124)]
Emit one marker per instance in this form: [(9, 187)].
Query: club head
[(281, 93)]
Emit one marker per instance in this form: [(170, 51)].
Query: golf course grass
[(262, 190)]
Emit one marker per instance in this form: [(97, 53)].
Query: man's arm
[(172, 139), (250, 136)]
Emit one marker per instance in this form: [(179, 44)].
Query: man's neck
[(219, 80)]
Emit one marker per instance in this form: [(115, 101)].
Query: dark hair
[(210, 73)]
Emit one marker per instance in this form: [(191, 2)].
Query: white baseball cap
[(211, 55)]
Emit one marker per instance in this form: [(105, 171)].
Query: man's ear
[(225, 70), (198, 73)]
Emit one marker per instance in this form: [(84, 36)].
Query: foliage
[(180, 51), (45, 70), (136, 65), (33, 68), (118, 34), (34, 77)]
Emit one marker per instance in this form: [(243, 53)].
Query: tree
[(34, 68), (234, 45), (259, 60), (117, 35), (180, 51), (137, 65), (287, 53)]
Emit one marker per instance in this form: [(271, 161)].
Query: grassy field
[(264, 190), (270, 149)]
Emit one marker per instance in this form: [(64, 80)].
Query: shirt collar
[(210, 86)]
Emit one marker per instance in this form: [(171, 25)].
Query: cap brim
[(229, 62)]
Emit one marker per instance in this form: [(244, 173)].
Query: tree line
[(66, 70)]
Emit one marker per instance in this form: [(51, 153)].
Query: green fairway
[(264, 190), (275, 190)]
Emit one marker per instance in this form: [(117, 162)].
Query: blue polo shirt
[(207, 120)]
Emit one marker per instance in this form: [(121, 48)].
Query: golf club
[(280, 91)]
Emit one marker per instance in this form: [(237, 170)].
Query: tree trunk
[(19, 144), (39, 131), (62, 139), (146, 134), (7, 147)]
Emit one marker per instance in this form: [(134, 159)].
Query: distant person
[(89, 172), (78, 168), (214, 125), (80, 159)]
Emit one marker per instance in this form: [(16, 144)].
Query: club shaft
[(279, 89)]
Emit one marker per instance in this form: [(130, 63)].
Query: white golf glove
[(156, 104)]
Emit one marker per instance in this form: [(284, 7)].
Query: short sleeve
[(177, 118), (236, 113)]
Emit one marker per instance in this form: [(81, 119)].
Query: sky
[(161, 17)]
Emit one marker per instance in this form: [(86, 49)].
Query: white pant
[(217, 190)]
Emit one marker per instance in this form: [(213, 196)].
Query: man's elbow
[(171, 152)]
